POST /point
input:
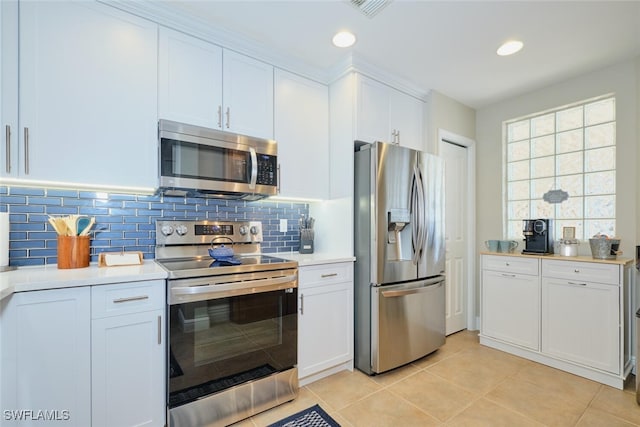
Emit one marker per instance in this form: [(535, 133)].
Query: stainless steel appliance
[(207, 162), (400, 254), (232, 322), (538, 236)]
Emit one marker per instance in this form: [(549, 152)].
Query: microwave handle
[(254, 168)]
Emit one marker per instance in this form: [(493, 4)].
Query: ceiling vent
[(370, 8)]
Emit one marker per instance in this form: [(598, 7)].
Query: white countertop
[(313, 259), (51, 277), (580, 258)]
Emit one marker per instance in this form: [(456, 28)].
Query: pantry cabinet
[(203, 84), (571, 313), (46, 362), (388, 115), (94, 354), (325, 320), (302, 131), (87, 96)]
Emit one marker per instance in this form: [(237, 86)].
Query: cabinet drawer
[(325, 274), (510, 264), (134, 297), (583, 271)]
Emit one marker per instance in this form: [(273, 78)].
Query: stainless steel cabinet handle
[(398, 137), (26, 151), (580, 284), (328, 275), (301, 303), (127, 299), (159, 330), (7, 132), (278, 183), (508, 275), (220, 116), (576, 271), (228, 117)]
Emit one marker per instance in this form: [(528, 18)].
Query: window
[(572, 149)]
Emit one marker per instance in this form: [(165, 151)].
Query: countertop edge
[(315, 258), (556, 257), (50, 277)]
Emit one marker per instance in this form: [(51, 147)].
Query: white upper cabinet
[(203, 84), (247, 92), (388, 115), (88, 95), (189, 80), (302, 131), (9, 88)]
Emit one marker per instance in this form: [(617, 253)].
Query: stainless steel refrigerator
[(400, 256)]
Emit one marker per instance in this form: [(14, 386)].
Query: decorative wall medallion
[(555, 196)]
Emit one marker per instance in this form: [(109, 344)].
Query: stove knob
[(254, 229), (167, 230), (181, 230), (243, 230)]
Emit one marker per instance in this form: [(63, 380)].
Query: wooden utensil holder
[(73, 252)]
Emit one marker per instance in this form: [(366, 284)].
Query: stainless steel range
[(232, 322)]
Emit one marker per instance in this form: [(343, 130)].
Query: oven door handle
[(225, 290)]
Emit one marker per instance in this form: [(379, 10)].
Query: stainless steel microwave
[(207, 162)]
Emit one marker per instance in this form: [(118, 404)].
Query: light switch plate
[(283, 225)]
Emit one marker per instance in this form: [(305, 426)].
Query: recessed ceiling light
[(344, 39), (510, 47)]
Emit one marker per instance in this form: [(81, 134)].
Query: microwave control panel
[(267, 170)]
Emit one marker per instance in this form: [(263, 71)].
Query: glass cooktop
[(207, 266)]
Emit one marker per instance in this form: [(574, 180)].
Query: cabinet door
[(301, 119), (46, 363), (511, 308), (406, 120), (248, 95), (372, 113), (580, 323), (9, 88), (88, 95), (325, 325), (128, 370), (189, 80)]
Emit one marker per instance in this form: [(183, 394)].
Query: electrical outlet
[(283, 225)]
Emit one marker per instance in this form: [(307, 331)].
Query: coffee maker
[(538, 236)]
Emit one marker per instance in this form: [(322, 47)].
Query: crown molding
[(164, 14)]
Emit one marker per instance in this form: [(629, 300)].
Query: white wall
[(621, 79), (447, 114)]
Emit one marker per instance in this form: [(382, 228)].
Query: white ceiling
[(448, 46)]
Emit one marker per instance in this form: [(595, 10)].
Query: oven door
[(224, 333)]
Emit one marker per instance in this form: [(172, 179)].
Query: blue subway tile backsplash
[(126, 222)]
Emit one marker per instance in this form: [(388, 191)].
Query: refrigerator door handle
[(418, 230), (427, 286)]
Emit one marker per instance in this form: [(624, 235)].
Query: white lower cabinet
[(511, 308), (325, 320), (580, 322), (84, 356), (46, 363), (574, 315), (128, 355)]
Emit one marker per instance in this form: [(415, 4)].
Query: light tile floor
[(464, 384)]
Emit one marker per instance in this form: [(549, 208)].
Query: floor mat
[(314, 416)]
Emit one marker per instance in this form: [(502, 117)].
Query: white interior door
[(456, 234)]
